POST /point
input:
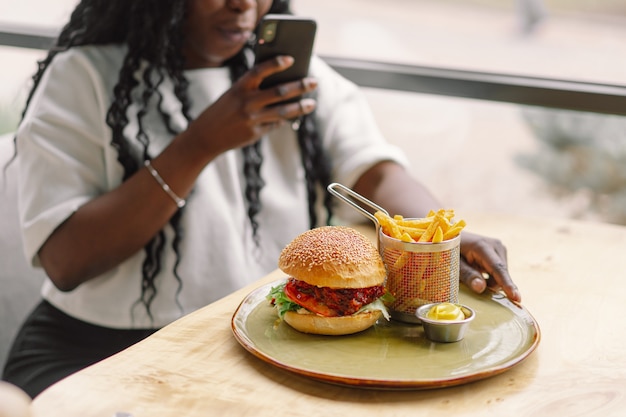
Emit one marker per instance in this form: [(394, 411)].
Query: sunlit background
[(475, 155)]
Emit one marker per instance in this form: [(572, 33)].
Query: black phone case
[(295, 37)]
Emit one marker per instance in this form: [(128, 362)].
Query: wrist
[(198, 149)]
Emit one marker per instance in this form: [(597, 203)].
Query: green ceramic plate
[(391, 355)]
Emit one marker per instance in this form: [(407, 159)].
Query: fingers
[(481, 255), (478, 282), (265, 128), (497, 271), (264, 109), (253, 79), (274, 117), (286, 111), (284, 101), (287, 91), (268, 118), (471, 278), (259, 72)]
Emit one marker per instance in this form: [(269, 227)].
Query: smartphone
[(286, 35)]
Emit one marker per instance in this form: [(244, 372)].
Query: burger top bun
[(332, 326), (335, 257)]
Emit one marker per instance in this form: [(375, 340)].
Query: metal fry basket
[(417, 273)]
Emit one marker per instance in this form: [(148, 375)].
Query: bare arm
[(112, 227), (389, 185)]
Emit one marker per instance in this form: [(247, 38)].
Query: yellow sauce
[(446, 312)]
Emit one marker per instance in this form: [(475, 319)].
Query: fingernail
[(478, 284), (310, 83), (285, 60), (308, 105), (282, 90)]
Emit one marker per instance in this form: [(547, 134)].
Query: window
[(566, 39), (480, 152)]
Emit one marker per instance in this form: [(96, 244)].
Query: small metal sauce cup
[(444, 330)]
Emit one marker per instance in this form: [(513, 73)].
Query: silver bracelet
[(179, 201)]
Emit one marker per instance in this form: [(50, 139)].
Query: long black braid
[(153, 32)]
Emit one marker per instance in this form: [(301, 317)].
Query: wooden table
[(572, 279)]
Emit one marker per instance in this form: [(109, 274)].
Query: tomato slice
[(307, 301)]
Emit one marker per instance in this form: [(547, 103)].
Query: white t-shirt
[(66, 159)]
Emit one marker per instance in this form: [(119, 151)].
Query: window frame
[(490, 86)]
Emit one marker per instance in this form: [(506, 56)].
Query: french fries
[(435, 227)]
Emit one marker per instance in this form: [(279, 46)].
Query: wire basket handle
[(333, 189)]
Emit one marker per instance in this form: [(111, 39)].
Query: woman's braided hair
[(153, 32)]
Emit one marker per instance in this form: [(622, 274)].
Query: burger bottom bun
[(333, 326)]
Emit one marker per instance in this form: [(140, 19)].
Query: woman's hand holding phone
[(246, 112), (286, 99)]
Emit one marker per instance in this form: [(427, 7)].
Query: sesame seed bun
[(331, 326), (335, 257)]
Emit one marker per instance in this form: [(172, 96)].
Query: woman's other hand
[(484, 264)]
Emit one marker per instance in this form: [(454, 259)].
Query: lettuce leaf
[(283, 303), (376, 305)]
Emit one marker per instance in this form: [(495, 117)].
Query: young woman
[(156, 176)]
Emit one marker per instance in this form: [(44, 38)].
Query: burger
[(335, 285)]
